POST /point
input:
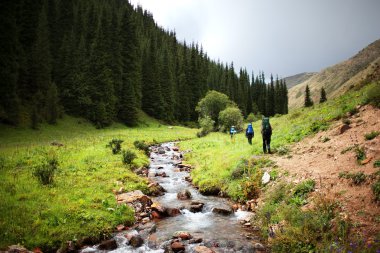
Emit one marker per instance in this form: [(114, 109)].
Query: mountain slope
[(292, 81), (339, 78)]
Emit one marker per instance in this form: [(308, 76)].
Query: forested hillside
[(104, 61)]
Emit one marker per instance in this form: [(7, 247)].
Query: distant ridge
[(337, 79), (297, 79)]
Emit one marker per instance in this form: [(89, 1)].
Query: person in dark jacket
[(249, 133), (266, 132)]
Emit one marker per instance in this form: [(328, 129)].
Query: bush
[(371, 135), (376, 190), (115, 145), (207, 125), (358, 178), (360, 154), (376, 164), (373, 95), (231, 116), (45, 171), (142, 145), (128, 156), (252, 117)]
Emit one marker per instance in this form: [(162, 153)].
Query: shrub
[(325, 139), (376, 190), (207, 125), (371, 135), (376, 164), (115, 145), (373, 95), (358, 178), (45, 171), (283, 150), (252, 117), (128, 156), (231, 116), (142, 145), (360, 154)]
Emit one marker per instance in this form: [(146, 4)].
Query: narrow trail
[(208, 223)]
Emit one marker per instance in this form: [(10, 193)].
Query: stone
[(156, 215), (196, 208), (108, 245), (184, 235), (258, 246), (145, 220), (172, 212), (136, 241), (223, 210), (55, 143), (177, 246), (176, 149), (161, 150), (157, 207), (17, 249), (184, 194), (120, 227), (343, 128), (266, 178), (156, 189), (134, 196), (366, 161), (195, 240), (203, 249)]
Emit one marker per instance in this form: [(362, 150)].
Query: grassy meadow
[(80, 201), (216, 157)]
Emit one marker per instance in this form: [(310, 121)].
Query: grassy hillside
[(339, 78), (216, 157), (80, 202)]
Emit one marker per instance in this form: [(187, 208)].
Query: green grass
[(371, 135), (79, 202), (216, 156)]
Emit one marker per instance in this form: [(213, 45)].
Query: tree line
[(105, 60)]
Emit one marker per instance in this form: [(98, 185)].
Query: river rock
[(108, 245), (203, 249), (17, 249), (134, 196), (211, 191), (177, 246), (195, 240), (259, 247), (184, 235), (161, 150), (172, 212), (156, 189), (223, 210), (176, 149), (184, 194), (196, 207), (136, 241)]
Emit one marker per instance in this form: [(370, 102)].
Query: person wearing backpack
[(249, 133), (232, 132), (266, 132)]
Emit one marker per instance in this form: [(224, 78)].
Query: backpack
[(266, 125), (250, 129)]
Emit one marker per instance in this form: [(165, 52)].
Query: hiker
[(249, 133), (266, 132), (232, 131)]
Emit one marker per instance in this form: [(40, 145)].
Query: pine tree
[(323, 96), (308, 101)]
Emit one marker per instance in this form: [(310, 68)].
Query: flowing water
[(224, 233)]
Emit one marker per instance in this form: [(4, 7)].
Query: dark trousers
[(249, 137), (266, 143)]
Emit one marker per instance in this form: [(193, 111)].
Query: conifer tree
[(308, 101), (323, 96)]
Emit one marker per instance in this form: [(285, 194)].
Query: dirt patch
[(326, 155)]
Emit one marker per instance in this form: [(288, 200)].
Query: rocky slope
[(329, 156), (292, 81), (337, 79)]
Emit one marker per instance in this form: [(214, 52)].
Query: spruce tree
[(323, 96), (308, 100)]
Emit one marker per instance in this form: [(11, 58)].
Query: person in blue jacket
[(232, 131), (249, 133)]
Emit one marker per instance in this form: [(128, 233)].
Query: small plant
[(300, 192), (141, 145), (373, 95), (358, 178), (346, 121), (45, 171), (371, 135), (115, 145), (283, 150), (376, 164), (348, 149), (376, 190), (360, 154), (325, 139), (207, 125), (128, 156)]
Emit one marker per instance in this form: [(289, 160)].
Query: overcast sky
[(283, 37)]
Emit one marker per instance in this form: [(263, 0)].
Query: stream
[(219, 232)]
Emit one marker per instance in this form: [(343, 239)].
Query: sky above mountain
[(284, 37)]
